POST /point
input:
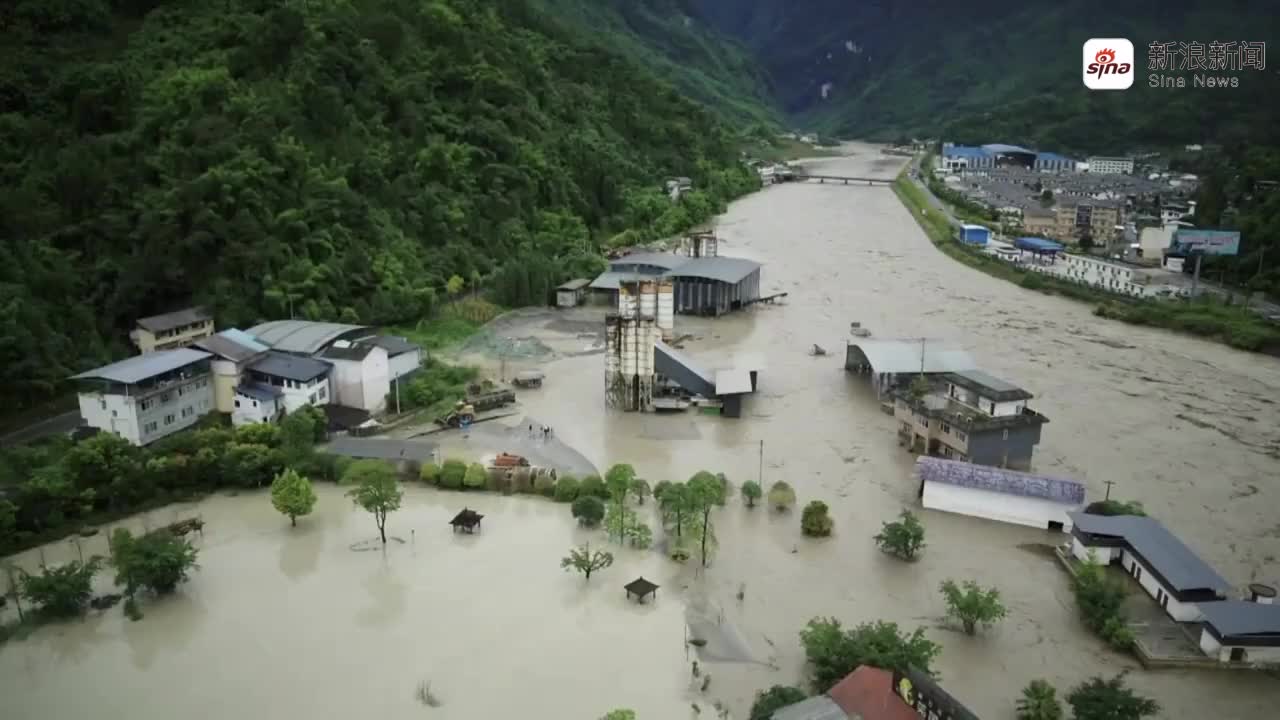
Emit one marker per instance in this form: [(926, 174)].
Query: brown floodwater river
[(295, 622)]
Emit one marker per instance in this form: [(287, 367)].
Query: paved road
[(381, 448), (64, 423)]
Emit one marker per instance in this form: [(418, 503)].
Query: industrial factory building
[(700, 285), (961, 158), (715, 285)]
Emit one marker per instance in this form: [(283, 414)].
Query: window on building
[(961, 435), (946, 427), (168, 419), (150, 427), (166, 397), (115, 413), (993, 408), (188, 411), (324, 393), (237, 403), (255, 403), (946, 451), (103, 403), (145, 405)]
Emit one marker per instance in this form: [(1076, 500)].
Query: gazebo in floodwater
[(641, 588), (468, 521)]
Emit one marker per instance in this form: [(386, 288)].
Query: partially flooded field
[(281, 622)]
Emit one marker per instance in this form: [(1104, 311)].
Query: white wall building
[(233, 350), (997, 494), (149, 396), (1106, 274), (1110, 165), (361, 375), (403, 357), (301, 380), (1242, 631), (1168, 570), (256, 403)]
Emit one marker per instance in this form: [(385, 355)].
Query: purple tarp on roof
[(993, 479)]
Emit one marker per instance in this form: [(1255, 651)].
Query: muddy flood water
[(305, 622)]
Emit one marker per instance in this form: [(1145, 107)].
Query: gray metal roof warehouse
[(304, 336)]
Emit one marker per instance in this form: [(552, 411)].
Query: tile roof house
[(870, 693)]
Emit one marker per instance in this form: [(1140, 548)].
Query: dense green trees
[(63, 590), (56, 486), (834, 651), (157, 561), (336, 161)]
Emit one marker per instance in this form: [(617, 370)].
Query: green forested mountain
[(1000, 69), (341, 158), (670, 38)]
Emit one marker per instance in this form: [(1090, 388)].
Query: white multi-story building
[(361, 375), (1110, 165), (1106, 275), (148, 396), (300, 380)]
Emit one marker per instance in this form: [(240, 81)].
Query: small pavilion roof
[(466, 518), (640, 586)]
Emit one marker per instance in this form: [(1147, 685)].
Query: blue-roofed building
[(1053, 162), (998, 494), (974, 234), (961, 158), (1166, 568)]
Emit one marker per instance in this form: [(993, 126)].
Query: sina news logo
[(1108, 64)]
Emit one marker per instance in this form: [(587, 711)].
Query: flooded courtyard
[(283, 622)]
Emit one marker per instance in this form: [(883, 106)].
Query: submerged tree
[(816, 521), (588, 509), (375, 490), (972, 605), (781, 495), (585, 561), (64, 590), (751, 493), (157, 561), (1039, 701), (705, 492), (618, 480), (903, 537), (1099, 699), (292, 495)]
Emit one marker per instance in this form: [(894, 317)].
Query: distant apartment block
[(172, 330), (149, 396), (1107, 275), (1098, 220), (1110, 165), (970, 416)]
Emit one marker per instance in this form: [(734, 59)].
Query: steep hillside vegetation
[(999, 68), (337, 159), (671, 39)]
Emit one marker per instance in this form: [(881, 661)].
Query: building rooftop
[(611, 280), (234, 345), (142, 367), (818, 707), (999, 480), (171, 320), (576, 284), (1002, 148), (988, 385), (1035, 244), (1181, 568), (341, 350), (393, 344), (966, 417), (903, 356), (290, 367), (259, 391), (657, 259), (301, 336), (1242, 619), (723, 269), (868, 693), (733, 382)]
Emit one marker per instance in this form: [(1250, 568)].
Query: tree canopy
[(317, 160), (375, 490)]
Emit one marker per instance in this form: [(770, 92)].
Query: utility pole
[(760, 471), (397, 395), (922, 341), (1109, 483)]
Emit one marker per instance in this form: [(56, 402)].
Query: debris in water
[(697, 642), (426, 697), (706, 683)]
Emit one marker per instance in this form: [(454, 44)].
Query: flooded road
[(278, 623)]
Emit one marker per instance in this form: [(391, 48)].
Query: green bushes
[(566, 489), (430, 473), (589, 510), (61, 591), (594, 486), (815, 520), (452, 474), (1100, 600), (157, 561), (475, 477), (781, 495), (833, 651)]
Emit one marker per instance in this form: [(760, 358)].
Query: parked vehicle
[(529, 379)]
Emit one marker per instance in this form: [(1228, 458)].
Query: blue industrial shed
[(1038, 245), (974, 234)]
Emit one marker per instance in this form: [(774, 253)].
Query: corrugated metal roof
[(301, 336), (141, 367), (177, 318), (819, 707), (259, 391), (724, 269), (993, 479), (342, 351), (610, 280), (988, 384), (733, 382), (576, 284), (290, 367), (1002, 148), (232, 344), (1037, 244), (903, 356), (1241, 618), (1181, 568), (964, 151), (658, 259), (394, 344)]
